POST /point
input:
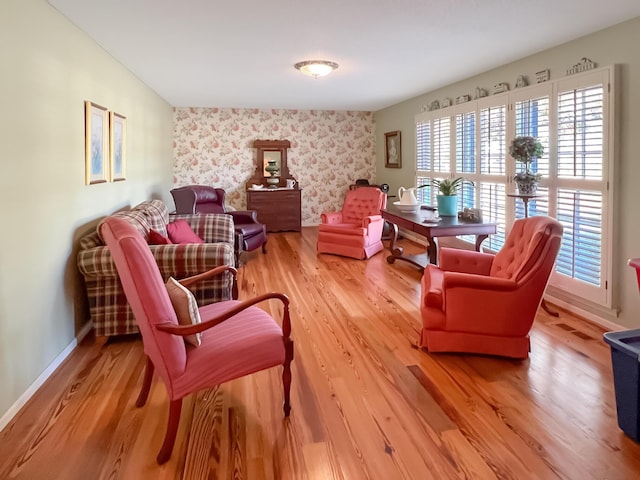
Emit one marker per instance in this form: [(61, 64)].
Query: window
[(572, 119)]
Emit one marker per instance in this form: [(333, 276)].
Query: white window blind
[(465, 153), (581, 133), (423, 146), (493, 129), (580, 213), (532, 117), (442, 144), (492, 199), (423, 159), (582, 184), (466, 142)]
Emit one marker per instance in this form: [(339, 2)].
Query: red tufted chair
[(482, 303), (250, 234), (356, 231)]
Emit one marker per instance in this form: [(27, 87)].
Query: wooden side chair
[(235, 338)]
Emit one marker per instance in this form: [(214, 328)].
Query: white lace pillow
[(186, 307)]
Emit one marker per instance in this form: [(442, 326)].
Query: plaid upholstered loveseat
[(110, 312)]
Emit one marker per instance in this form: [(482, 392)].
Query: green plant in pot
[(525, 149), (447, 194)]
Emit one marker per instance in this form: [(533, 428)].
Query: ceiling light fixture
[(316, 68)]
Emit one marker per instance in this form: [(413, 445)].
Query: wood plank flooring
[(366, 404)]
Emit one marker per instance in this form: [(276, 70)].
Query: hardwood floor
[(366, 404)]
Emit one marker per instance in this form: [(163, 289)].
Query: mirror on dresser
[(272, 170), (272, 192)]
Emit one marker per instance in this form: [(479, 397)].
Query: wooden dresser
[(279, 209)]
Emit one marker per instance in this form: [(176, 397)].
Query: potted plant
[(525, 149), (447, 194)]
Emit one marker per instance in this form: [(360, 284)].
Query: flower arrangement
[(525, 149)]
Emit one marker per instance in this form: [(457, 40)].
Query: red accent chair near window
[(250, 234), (237, 338), (356, 230), (482, 303)]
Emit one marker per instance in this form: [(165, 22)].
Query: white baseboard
[(584, 313), (33, 388)]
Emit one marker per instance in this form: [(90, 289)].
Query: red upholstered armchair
[(250, 234), (482, 303), (356, 231)]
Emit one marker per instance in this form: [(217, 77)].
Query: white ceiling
[(208, 53)]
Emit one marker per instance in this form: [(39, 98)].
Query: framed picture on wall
[(117, 146), (96, 146), (392, 152)]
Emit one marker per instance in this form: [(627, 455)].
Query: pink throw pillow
[(156, 238), (180, 232)]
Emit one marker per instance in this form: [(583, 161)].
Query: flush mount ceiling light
[(316, 68)]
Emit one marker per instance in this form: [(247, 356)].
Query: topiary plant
[(525, 149)]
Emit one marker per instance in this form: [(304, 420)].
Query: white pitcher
[(407, 196), (291, 183)]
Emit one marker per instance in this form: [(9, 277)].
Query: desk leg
[(479, 240), (397, 252), (432, 250)]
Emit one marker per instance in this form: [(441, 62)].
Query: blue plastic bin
[(625, 358)]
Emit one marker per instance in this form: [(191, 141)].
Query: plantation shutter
[(532, 118), (465, 142), (423, 146), (492, 191), (442, 144), (423, 159), (581, 189), (493, 128)]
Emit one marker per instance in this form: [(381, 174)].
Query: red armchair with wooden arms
[(356, 230), (483, 303), (236, 338)]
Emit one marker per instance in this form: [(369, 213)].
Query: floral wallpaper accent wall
[(329, 151)]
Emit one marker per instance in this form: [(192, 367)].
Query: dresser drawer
[(279, 210)]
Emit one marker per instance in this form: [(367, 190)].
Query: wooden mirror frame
[(263, 146)]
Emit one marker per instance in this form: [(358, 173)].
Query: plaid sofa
[(110, 311)]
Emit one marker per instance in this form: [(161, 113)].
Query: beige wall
[(329, 151), (616, 45), (48, 68)]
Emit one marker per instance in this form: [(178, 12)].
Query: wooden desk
[(445, 227)]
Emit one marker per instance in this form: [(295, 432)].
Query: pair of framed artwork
[(105, 144)]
